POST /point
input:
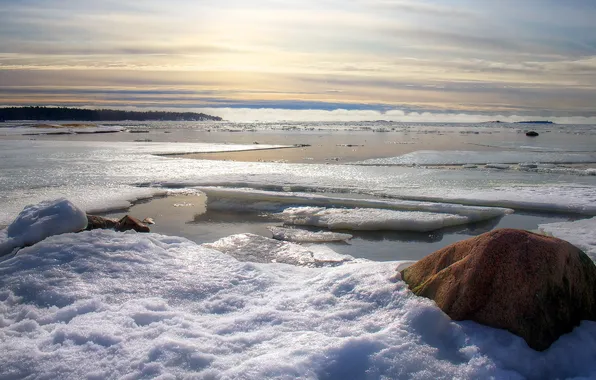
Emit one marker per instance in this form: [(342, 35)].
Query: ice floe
[(260, 249), (362, 219), (272, 201), (564, 198), (303, 236)]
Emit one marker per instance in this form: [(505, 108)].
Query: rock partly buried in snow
[(40, 221), (95, 222), (535, 286), (532, 134), (128, 223)]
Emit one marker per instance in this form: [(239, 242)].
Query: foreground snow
[(106, 305), (37, 222)]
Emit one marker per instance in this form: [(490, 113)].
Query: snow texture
[(107, 305), (303, 236), (362, 219), (37, 222), (260, 249)]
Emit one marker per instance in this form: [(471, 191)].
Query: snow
[(304, 236), (37, 222), (260, 249), (107, 305), (362, 219), (434, 157), (580, 233)]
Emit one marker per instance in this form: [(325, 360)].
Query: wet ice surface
[(260, 249), (304, 236), (476, 157)]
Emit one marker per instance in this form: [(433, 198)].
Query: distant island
[(535, 122), (525, 122), (79, 114)]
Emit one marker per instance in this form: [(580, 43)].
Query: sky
[(308, 59)]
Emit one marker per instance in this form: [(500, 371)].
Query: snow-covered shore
[(106, 305)]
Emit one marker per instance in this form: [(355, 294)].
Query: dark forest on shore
[(79, 114)]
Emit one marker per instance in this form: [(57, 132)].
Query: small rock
[(95, 222), (532, 134), (535, 286), (128, 223)]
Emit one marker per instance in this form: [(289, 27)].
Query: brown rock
[(98, 222), (535, 286), (130, 223)]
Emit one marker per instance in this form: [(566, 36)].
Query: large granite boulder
[(535, 286)]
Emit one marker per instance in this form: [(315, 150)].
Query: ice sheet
[(271, 201), (110, 175), (260, 249), (581, 233), (101, 305), (361, 219), (432, 157), (565, 198), (304, 236)]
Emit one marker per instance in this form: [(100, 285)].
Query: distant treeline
[(78, 114)]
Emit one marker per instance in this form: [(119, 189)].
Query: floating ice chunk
[(528, 165), (37, 222), (303, 236), (272, 201), (581, 233), (362, 219), (497, 166), (260, 249)]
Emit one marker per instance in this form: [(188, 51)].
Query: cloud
[(423, 54)]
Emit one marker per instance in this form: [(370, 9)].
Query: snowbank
[(362, 219), (37, 222), (106, 305)]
